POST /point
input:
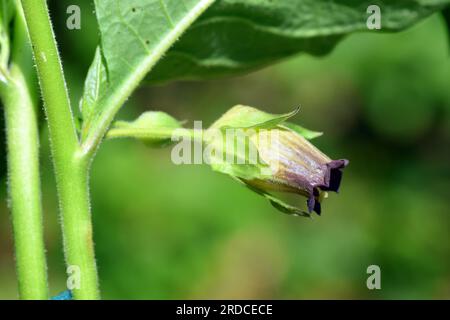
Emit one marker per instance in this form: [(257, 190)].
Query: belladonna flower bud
[(288, 162), (265, 153), (296, 166)]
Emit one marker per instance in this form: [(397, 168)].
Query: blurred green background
[(167, 231)]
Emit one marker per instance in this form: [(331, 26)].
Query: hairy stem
[(24, 187), (23, 168), (71, 171)]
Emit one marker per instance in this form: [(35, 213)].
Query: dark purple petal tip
[(314, 205), (334, 175), (333, 180)]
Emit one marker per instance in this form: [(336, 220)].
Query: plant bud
[(287, 161)]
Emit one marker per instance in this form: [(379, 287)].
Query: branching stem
[(71, 169)]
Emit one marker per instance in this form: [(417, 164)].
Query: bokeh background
[(167, 231)]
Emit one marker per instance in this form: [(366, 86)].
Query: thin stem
[(152, 133), (71, 170), (23, 170)]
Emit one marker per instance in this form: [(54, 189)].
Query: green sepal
[(277, 203), (244, 171), (241, 165), (245, 117)]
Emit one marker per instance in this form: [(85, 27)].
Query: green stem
[(24, 187), (77, 229), (71, 170), (152, 133), (23, 168)]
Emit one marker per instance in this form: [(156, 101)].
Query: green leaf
[(134, 36), (237, 36), (94, 88), (155, 128)]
